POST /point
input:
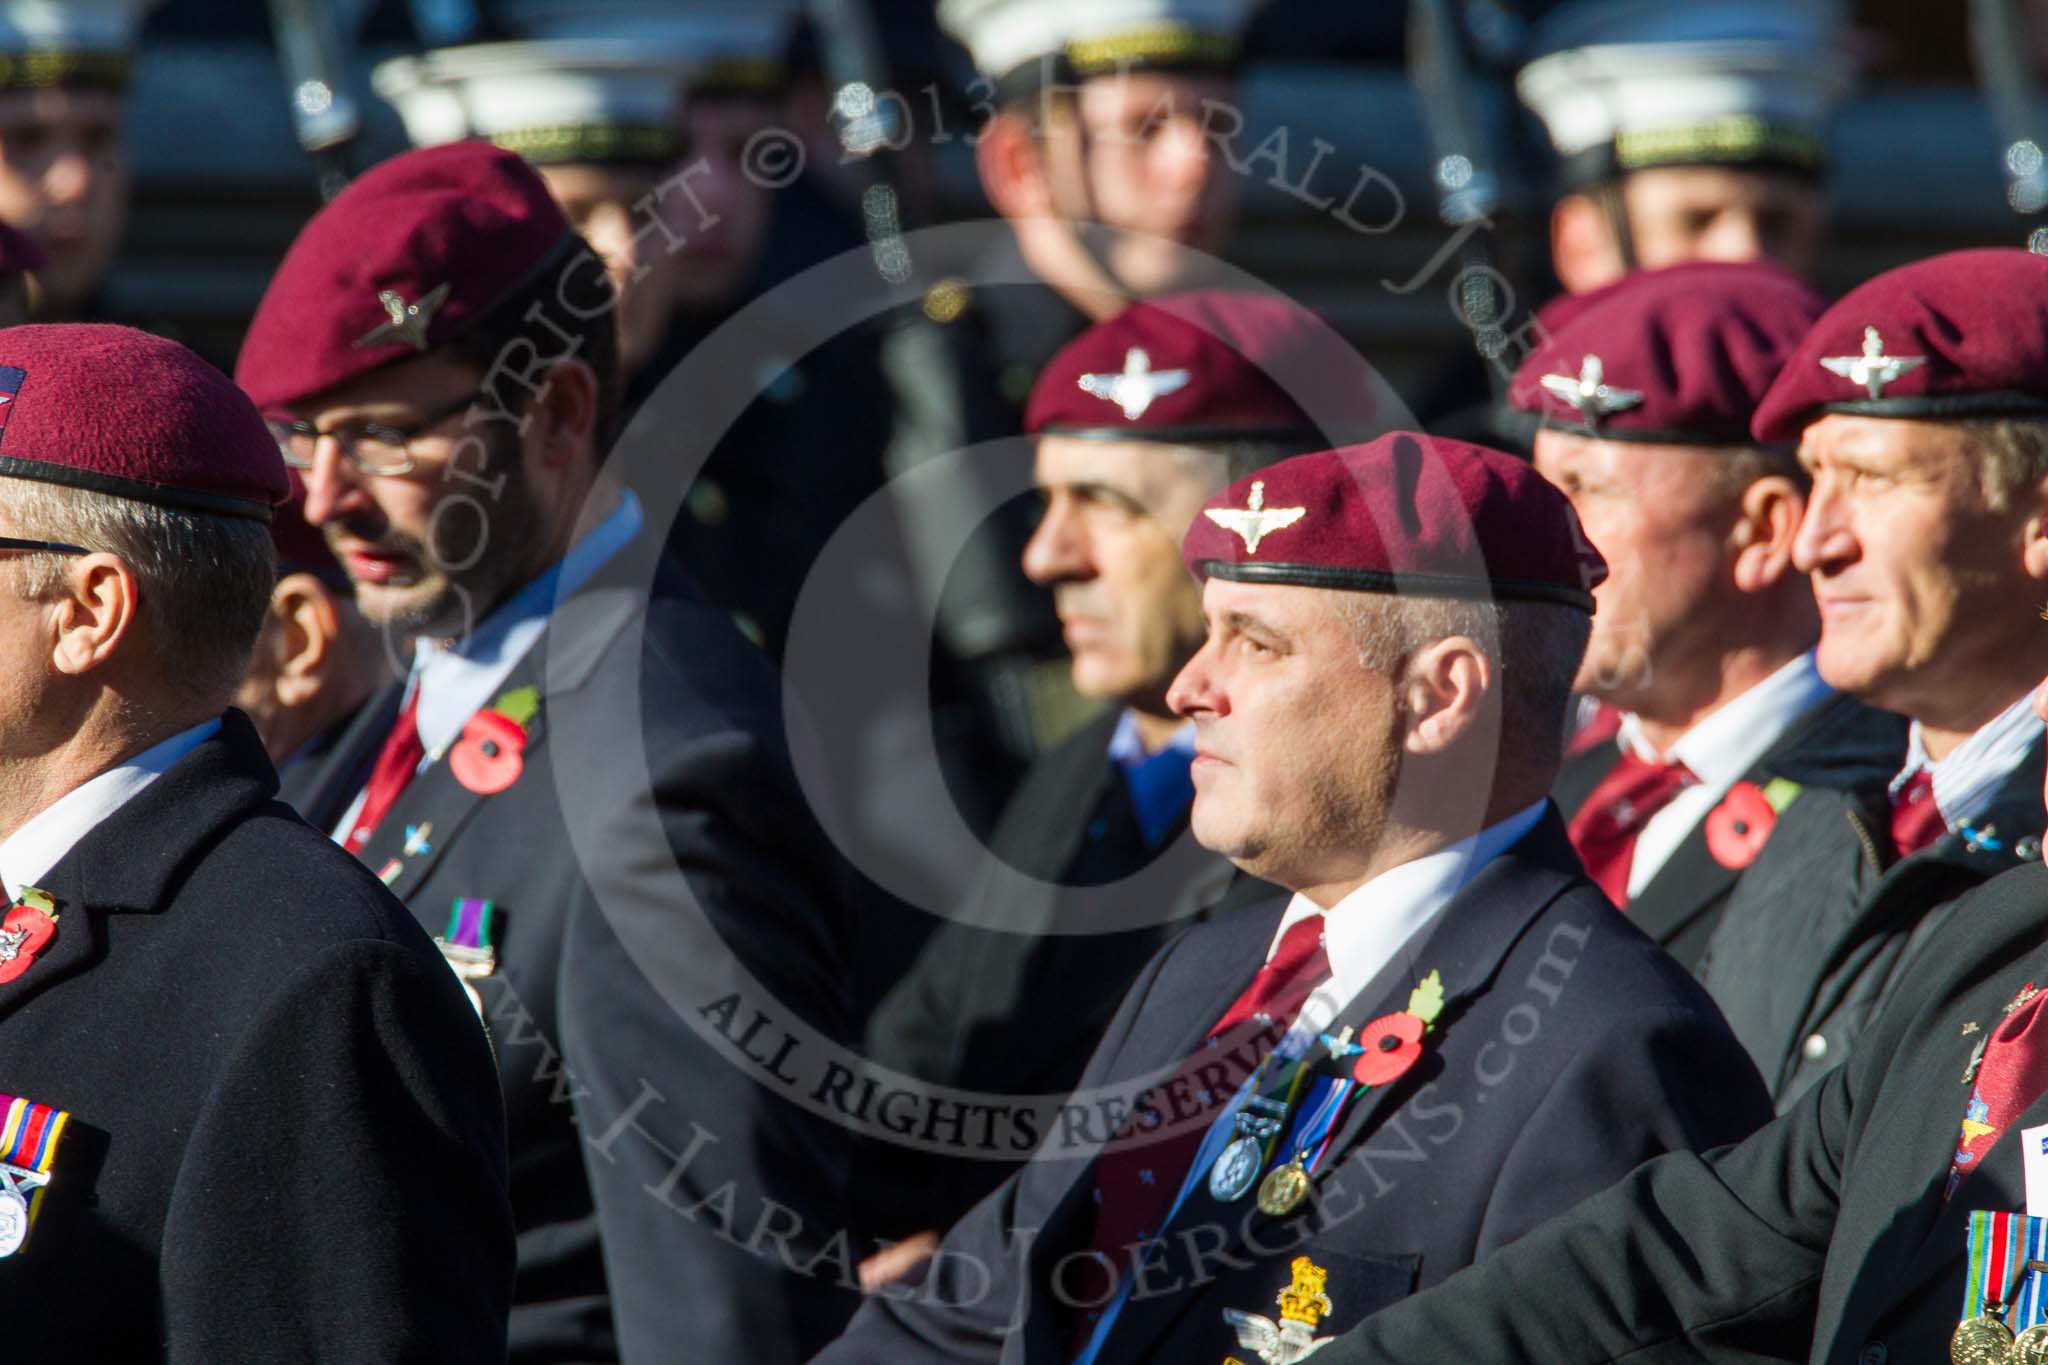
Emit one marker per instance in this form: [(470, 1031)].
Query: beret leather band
[(1386, 581), (1192, 434), (1938, 406), (184, 500)]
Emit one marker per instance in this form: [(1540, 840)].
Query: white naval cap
[(730, 46), (572, 100), (1623, 85), (1094, 36), (69, 42)]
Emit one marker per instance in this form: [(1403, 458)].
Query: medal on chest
[(2005, 1292), (29, 1135), (467, 947)]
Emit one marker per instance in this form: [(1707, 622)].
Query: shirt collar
[(1726, 744), (455, 679), (1127, 749), (30, 852), (1967, 781), (1364, 931)]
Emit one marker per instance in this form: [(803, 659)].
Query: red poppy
[(25, 932), (1392, 1043), (488, 757), (1737, 828)]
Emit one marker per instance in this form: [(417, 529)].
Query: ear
[(567, 407), (93, 612), (1766, 524), (305, 625), (2034, 535), (1445, 688), (1012, 172), (1582, 246)]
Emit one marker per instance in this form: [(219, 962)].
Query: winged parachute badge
[(406, 322), (1873, 369), (1135, 388), (1303, 1305), (1590, 395), (1254, 521)]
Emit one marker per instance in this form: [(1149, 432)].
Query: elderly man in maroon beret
[(1137, 422), (1706, 627), (582, 784), (1306, 1110), (249, 1115), (1921, 411)]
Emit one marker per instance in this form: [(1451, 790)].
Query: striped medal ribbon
[(28, 1144)]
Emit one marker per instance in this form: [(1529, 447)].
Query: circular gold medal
[(1283, 1190), (1982, 1340), (2031, 1346)]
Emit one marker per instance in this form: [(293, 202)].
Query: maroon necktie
[(396, 763), (1605, 829), (1916, 820), (1136, 1182), (2012, 1074)]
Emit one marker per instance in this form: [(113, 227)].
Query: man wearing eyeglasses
[(582, 786), (248, 1116)]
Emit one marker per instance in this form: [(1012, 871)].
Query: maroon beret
[(123, 412), (1208, 365), (1682, 355), (408, 256), (1958, 335), (1406, 513)]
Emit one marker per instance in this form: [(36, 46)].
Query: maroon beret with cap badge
[(1681, 355), (1211, 364), (123, 412), (1406, 513), (1960, 335), (409, 255)]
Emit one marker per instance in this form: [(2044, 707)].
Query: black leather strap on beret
[(1311, 438), (1669, 436), (1381, 580), (1934, 407), (184, 500)]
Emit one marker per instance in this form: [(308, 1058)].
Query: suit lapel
[(128, 860), (345, 766), (1691, 879), (1466, 943)]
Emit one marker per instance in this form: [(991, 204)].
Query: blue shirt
[(1160, 786)]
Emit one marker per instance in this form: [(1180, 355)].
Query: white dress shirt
[(1968, 779), (457, 679), (28, 854), (1718, 750)]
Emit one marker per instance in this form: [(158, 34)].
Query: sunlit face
[(724, 214), (1109, 548), (1131, 154), (1712, 213), (1297, 743), (64, 181), (1921, 585), (1651, 512), (601, 203), (430, 550)]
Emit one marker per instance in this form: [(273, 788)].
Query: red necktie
[(2012, 1075), (1605, 829), (396, 763), (1916, 820), (1136, 1182)]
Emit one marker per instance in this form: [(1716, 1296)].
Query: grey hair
[(203, 581), (1536, 646), (1223, 463), (2012, 453)]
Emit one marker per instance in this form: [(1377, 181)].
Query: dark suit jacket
[(1838, 743), (285, 1140), (1016, 1011), (1825, 1237), (656, 831), (1569, 1049)]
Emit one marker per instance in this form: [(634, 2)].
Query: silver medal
[(13, 1221), (1236, 1170)]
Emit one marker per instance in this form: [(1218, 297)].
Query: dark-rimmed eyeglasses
[(54, 547), (372, 447)]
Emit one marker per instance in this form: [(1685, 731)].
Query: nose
[(69, 177), (1734, 236), (1058, 550), (1183, 153), (1824, 540), (1194, 691), (331, 487)]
